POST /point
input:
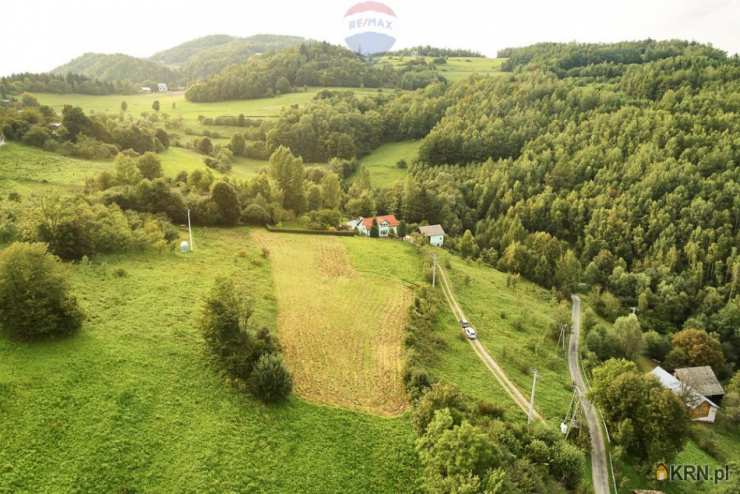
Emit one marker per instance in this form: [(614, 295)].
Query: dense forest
[(637, 175), (310, 64)]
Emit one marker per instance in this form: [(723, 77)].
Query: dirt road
[(599, 467), (482, 353)]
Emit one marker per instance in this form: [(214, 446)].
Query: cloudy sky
[(38, 35)]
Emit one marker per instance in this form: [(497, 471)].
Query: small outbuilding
[(434, 234), (702, 380), (701, 408)]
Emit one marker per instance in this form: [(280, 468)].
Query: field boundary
[(306, 231)]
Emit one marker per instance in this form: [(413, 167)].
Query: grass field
[(458, 68), (132, 403), (340, 320), (189, 111), (25, 169), (381, 163)]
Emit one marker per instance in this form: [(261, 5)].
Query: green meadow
[(457, 68), (381, 163), (132, 402)]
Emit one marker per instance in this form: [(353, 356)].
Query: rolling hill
[(118, 67), (203, 57)]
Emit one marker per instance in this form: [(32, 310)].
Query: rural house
[(701, 408), (434, 234), (702, 380), (387, 225)]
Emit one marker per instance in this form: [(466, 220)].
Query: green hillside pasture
[(512, 325), (341, 322), (132, 402), (458, 68), (381, 163), (175, 160), (25, 169), (189, 111)]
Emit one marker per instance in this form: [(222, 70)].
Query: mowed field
[(341, 319), (381, 163), (133, 403)]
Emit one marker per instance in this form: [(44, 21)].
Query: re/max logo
[(370, 22), (697, 473)]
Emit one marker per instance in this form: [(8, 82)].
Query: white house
[(434, 233), (162, 87), (701, 408), (387, 225), (146, 90)]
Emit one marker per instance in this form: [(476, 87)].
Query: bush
[(270, 380), (254, 214), (34, 296)]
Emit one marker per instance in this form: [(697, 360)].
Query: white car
[(470, 333)]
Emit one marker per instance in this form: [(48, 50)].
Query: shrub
[(270, 380), (254, 214), (34, 296), (223, 323)]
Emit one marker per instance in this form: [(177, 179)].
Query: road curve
[(599, 467), (482, 353)]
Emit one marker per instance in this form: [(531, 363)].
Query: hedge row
[(306, 231)]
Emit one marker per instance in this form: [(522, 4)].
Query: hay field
[(341, 328)]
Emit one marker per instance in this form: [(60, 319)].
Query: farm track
[(483, 354)]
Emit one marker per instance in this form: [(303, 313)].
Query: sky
[(63, 29)]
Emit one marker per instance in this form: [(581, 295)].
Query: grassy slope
[(494, 309), (131, 403), (189, 111), (381, 163), (458, 68), (25, 169)]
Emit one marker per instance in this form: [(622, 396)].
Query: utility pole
[(190, 232), (434, 270), (531, 398)]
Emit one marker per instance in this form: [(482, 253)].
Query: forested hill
[(630, 184), (203, 57), (599, 59), (118, 67), (310, 64)]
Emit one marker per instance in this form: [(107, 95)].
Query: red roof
[(389, 218)]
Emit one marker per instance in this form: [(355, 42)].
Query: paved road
[(482, 353), (599, 467)]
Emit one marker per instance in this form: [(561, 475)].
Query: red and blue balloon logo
[(371, 28)]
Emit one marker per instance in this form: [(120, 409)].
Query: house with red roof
[(387, 225)]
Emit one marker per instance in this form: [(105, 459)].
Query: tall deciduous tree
[(288, 171)]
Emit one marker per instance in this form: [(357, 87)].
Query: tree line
[(69, 83), (310, 64)]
